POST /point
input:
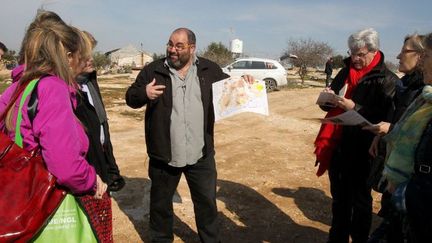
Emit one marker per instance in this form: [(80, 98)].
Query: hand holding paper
[(329, 98), (326, 98), (346, 104), (381, 128)]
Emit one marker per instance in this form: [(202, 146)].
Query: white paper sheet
[(348, 118), (234, 95)]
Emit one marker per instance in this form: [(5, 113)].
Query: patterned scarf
[(329, 136), (403, 139)]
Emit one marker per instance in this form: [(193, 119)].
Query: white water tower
[(237, 46)]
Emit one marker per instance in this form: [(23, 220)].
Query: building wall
[(137, 60)]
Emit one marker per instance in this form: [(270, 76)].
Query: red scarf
[(330, 135)]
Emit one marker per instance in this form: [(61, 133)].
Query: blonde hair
[(416, 41), (43, 18), (46, 53), (90, 38)]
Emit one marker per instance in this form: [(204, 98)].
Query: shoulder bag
[(28, 192)]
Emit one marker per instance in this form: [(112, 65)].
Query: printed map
[(234, 95)]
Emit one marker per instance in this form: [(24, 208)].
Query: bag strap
[(33, 103), (26, 93)]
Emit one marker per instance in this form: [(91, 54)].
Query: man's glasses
[(178, 47)]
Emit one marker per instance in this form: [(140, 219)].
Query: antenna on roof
[(45, 3)]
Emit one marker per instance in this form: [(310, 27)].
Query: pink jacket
[(17, 73), (61, 137)]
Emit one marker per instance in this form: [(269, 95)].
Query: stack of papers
[(348, 118)]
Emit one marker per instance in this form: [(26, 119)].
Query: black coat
[(374, 95), (99, 155), (407, 90), (158, 111), (328, 67)]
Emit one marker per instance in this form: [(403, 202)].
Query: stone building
[(129, 56)]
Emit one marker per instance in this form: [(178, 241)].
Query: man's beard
[(181, 61)]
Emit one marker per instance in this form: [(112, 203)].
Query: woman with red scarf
[(367, 86)]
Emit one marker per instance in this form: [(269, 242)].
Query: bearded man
[(179, 121)]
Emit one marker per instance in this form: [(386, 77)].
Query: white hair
[(364, 38)]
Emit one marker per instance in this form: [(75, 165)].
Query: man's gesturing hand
[(153, 91)]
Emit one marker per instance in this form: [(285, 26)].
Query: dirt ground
[(267, 187)]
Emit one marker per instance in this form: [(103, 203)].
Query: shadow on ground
[(133, 200), (252, 217), (314, 203), (258, 219)]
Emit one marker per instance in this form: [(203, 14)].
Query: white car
[(271, 71)]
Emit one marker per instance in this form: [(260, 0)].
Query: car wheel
[(270, 84)]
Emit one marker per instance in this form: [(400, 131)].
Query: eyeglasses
[(178, 47), (407, 51), (359, 55)]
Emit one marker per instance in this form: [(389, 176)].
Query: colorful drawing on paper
[(234, 95)]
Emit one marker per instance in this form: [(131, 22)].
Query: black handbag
[(376, 180)]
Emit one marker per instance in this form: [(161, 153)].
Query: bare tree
[(307, 53), (10, 59), (338, 61), (100, 60), (158, 56), (392, 66)]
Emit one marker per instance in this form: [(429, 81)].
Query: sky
[(264, 26)]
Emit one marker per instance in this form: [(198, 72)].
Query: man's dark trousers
[(201, 179)]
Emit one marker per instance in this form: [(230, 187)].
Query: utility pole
[(142, 55)]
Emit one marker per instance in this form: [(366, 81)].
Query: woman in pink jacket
[(54, 54)]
